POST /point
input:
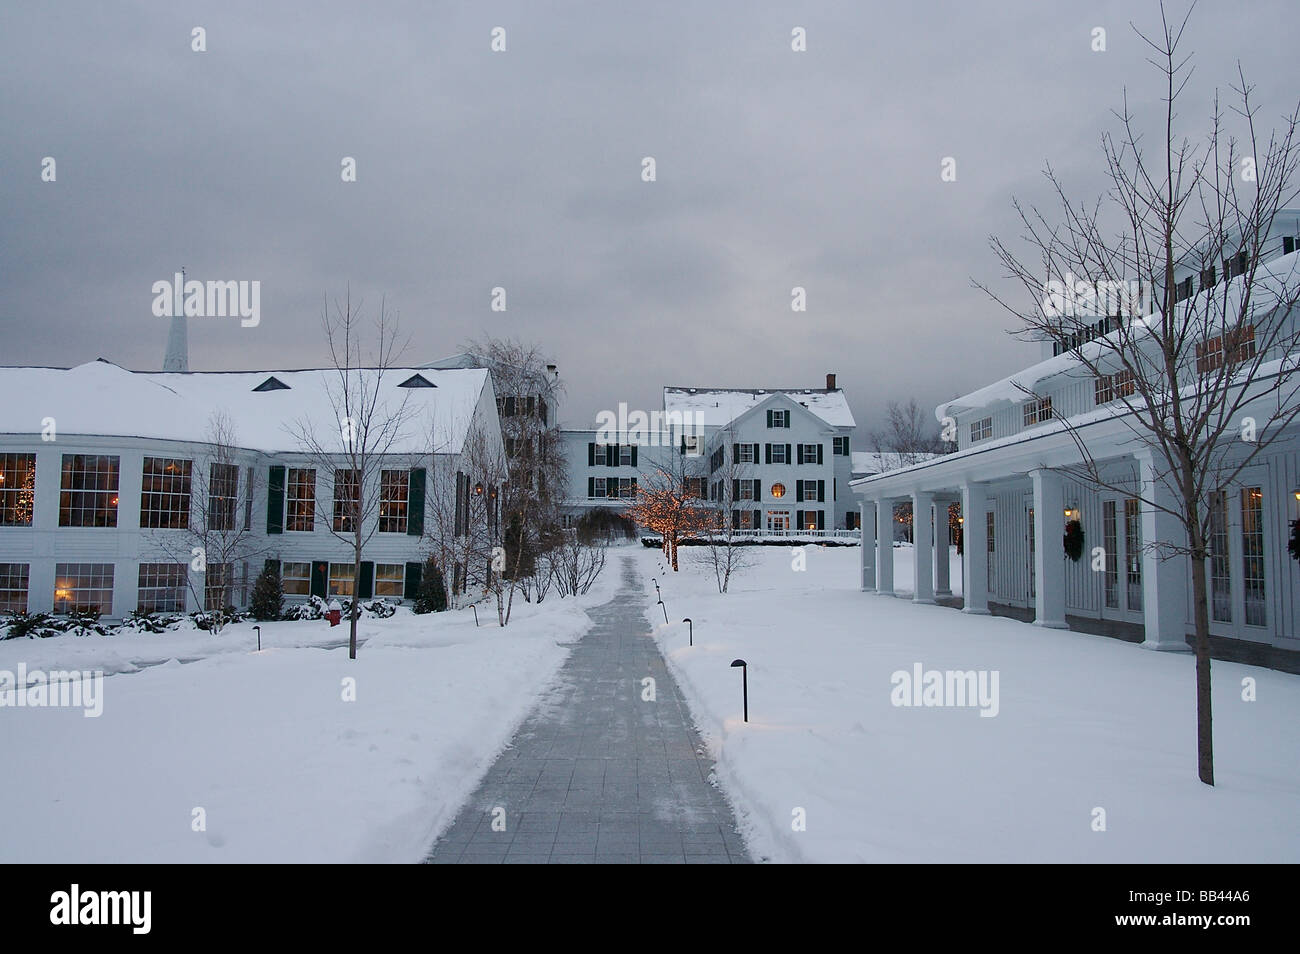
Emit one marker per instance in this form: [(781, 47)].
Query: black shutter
[(413, 571), (819, 453), (798, 491), (787, 453), (611, 455), (591, 487), (415, 504), (758, 489), (767, 451), (633, 455), (735, 490), (320, 578), (591, 453), (798, 520), (366, 585), (800, 453), (735, 520), (275, 500), (821, 491), (769, 417), (735, 453)]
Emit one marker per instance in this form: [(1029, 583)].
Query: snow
[(721, 406), (284, 769), (100, 398), (1084, 722)]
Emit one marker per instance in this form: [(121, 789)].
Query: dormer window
[(417, 381), (272, 384), (779, 418)]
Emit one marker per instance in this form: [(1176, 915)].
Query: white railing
[(780, 534)]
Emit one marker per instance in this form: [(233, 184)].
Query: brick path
[(596, 775)]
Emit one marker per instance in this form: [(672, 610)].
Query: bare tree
[(723, 551), (576, 564), (216, 538), (366, 424), (1201, 378), (910, 435)]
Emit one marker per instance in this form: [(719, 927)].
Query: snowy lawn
[(1083, 723), (282, 767)]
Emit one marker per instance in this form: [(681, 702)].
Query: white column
[(867, 533), (885, 547), (1049, 554), (1164, 581), (923, 570), (975, 550), (942, 553)]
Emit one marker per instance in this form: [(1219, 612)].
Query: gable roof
[(721, 406), (102, 399)]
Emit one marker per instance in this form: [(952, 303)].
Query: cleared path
[(595, 774)]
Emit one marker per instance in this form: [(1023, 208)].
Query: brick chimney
[(830, 380)]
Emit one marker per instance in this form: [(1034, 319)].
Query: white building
[(1009, 474), (101, 471)]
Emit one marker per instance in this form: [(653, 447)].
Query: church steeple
[(178, 347)]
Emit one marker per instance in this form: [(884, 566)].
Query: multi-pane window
[(347, 500), (746, 490), (341, 579), (161, 588), (17, 489), (1038, 411), (981, 430), (389, 579), (1133, 552), (218, 586), (223, 495), (394, 489), (626, 487), (625, 455), (809, 489), (778, 453), (809, 453), (1252, 555), (598, 487), (300, 499), (779, 418), (840, 446), (1110, 387), (746, 453), (13, 587), (83, 586), (1110, 544), (296, 578), (600, 454), (248, 498), (1233, 347), (1220, 563), (165, 493), (88, 491)]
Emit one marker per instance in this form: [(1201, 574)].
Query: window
[(1207, 278), (347, 500), (746, 490), (165, 493), (697, 487), (1110, 544), (300, 491), (17, 489), (1252, 555), (394, 487), (88, 491), (778, 453), (1109, 387), (223, 495), (981, 430), (778, 418), (626, 487), (218, 586), (598, 487), (809, 452), (1220, 565), (778, 521), (296, 578), (161, 587), (692, 445), (1232, 346), (341, 579), (389, 579), (1133, 552), (778, 491), (840, 446), (809, 490), (248, 498), (747, 453), (83, 586), (625, 455), (13, 587), (1038, 411), (600, 454)]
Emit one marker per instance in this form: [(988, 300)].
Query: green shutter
[(275, 500), (799, 452), (413, 571), (798, 520), (798, 491), (415, 504), (591, 487), (821, 519), (819, 453), (591, 453), (821, 491), (366, 584), (788, 458), (767, 451), (320, 578)]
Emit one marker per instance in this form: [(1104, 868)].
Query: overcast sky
[(522, 169)]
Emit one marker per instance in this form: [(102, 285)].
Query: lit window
[(1038, 412), (88, 491), (389, 579), (17, 489), (347, 500), (301, 500), (394, 487), (296, 578), (13, 587), (161, 587), (342, 577), (778, 491), (223, 495), (981, 430), (83, 586), (165, 494)]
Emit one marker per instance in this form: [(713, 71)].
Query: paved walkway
[(596, 775)]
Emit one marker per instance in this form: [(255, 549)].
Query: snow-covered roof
[(102, 399), (721, 406), (870, 462)]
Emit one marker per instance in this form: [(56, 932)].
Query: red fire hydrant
[(334, 613)]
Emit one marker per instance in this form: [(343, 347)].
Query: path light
[(258, 630), (744, 681), (691, 630), (475, 609), (661, 603)]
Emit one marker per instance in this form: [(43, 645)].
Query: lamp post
[(258, 630), (475, 609), (744, 682), (661, 603), (690, 632)]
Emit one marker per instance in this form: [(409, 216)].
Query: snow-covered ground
[(1083, 723), (282, 767)]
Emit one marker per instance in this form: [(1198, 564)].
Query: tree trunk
[(1204, 710), (352, 615)]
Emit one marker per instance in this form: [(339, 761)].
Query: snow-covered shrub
[(85, 623), (144, 621), (379, 609), (32, 625)]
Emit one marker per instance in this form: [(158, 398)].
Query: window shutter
[(735, 520), (366, 585), (735, 490), (591, 453), (787, 454), (611, 455), (633, 455), (275, 500), (819, 453), (769, 417), (415, 504), (758, 489), (413, 571), (801, 453), (767, 451), (821, 491), (756, 449), (798, 520), (320, 578), (821, 519), (798, 491)]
